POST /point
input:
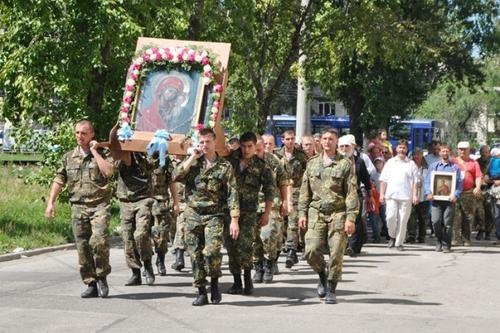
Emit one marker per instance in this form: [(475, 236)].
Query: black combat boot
[(178, 265), (215, 295), (91, 290), (150, 275), (102, 287), (202, 298), (247, 277), (291, 258), (330, 297), (160, 264), (479, 235), (237, 287), (268, 271), (276, 270), (322, 284), (135, 279), (259, 272)]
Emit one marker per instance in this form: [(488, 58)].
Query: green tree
[(265, 37), (457, 105), (380, 58)]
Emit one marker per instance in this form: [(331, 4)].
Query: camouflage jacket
[(296, 165), (209, 191), (251, 179), (161, 177), (134, 181), (329, 189), (86, 183), (179, 186)]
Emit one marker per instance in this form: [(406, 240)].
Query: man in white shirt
[(398, 189)]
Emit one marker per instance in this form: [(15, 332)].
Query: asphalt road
[(383, 290)]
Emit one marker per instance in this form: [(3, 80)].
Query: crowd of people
[(322, 196)]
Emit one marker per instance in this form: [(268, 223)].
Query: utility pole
[(303, 114)]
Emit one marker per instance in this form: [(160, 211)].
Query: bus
[(286, 122), (418, 132)]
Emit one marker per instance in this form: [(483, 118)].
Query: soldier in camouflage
[(267, 239), (86, 171), (162, 218), (328, 205), (135, 193), (251, 174), (209, 193), (179, 239), (297, 161)]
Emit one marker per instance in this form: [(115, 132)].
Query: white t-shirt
[(399, 175)]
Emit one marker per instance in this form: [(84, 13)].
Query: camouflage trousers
[(484, 214), (90, 229), (161, 223), (292, 223), (240, 251), (326, 230), (180, 230), (267, 239), (203, 236), (467, 208), (136, 231)]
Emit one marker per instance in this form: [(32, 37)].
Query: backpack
[(494, 168)]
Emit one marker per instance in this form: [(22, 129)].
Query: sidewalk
[(382, 291)]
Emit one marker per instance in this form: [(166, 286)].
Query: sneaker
[(350, 252), (466, 243), (446, 250), (392, 243), (400, 248)]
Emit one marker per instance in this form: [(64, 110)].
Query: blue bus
[(285, 122), (418, 132)]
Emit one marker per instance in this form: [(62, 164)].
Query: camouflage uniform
[(250, 180), (267, 239), (161, 178), (135, 194), (179, 242), (90, 197), (209, 193), (468, 207), (296, 165), (328, 197)]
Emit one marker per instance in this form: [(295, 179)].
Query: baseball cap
[(495, 152), (463, 144), (344, 141)]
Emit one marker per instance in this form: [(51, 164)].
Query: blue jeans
[(442, 220), (374, 220), (496, 217)]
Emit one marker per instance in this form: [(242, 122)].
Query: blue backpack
[(494, 168)]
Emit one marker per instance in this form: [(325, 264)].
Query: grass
[(19, 157), (22, 207)]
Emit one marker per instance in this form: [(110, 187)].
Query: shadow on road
[(397, 301), (152, 295)]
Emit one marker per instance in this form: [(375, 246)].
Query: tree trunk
[(194, 29), (355, 110), (95, 95)]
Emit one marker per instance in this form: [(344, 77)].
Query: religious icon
[(443, 185), (169, 100)]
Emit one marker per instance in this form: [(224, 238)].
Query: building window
[(325, 109)]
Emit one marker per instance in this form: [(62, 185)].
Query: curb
[(114, 240), (30, 253)]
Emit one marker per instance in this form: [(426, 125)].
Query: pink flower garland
[(173, 55)]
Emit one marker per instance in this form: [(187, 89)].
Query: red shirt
[(469, 171)]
